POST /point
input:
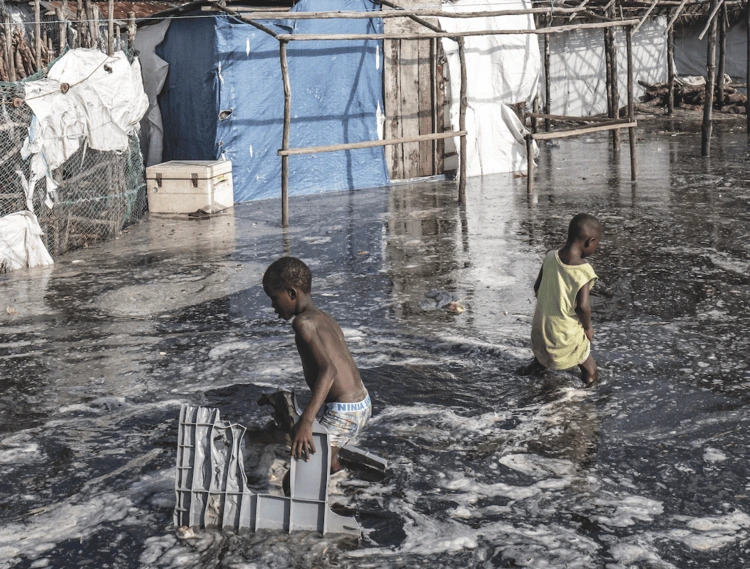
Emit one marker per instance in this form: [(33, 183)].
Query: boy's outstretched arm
[(583, 310), (302, 439), (538, 283)]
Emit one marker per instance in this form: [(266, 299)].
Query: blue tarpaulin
[(224, 97)]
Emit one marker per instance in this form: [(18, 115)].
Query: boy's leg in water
[(589, 373), (533, 368)]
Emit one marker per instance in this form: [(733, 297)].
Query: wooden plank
[(392, 111), (425, 106), (409, 83), (370, 143)]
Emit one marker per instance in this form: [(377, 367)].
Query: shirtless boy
[(561, 332), (328, 366)]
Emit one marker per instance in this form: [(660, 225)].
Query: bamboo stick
[(462, 123), (529, 164), (414, 18), (111, 28), (10, 59), (616, 125), (38, 34), (707, 126), (60, 14), (670, 71), (673, 19), (285, 134), (252, 22), (369, 143), (469, 33), (80, 31), (711, 17), (645, 15), (547, 83), (631, 105), (132, 30), (722, 54)]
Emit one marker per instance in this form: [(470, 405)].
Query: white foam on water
[(634, 551), (538, 466), (229, 347), (713, 455), (19, 449), (624, 511)]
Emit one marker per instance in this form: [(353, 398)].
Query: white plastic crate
[(185, 186)]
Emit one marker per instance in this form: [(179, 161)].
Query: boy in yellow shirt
[(561, 332)]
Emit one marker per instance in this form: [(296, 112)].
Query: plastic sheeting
[(21, 244), (154, 76), (103, 105), (690, 52), (501, 69), (578, 73), (224, 98)]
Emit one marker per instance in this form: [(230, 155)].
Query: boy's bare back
[(321, 346)]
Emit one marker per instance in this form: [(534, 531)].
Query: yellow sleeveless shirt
[(557, 337)]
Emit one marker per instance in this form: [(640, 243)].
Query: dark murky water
[(487, 469)]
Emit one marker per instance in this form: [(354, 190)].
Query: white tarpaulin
[(103, 105), (578, 73), (21, 242), (155, 71), (501, 69)]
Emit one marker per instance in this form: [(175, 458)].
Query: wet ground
[(648, 470)]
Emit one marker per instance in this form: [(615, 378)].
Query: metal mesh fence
[(99, 193)]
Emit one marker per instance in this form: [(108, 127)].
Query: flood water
[(487, 469)]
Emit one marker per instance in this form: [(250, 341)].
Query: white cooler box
[(185, 186)]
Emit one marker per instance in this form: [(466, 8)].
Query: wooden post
[(608, 73), (615, 81), (10, 61), (529, 164), (80, 30), (89, 22), (462, 123), (95, 26), (111, 28), (38, 34), (285, 135), (547, 83), (132, 30), (63, 29), (434, 83), (747, 70), (707, 126), (535, 110), (722, 53), (670, 70), (631, 103)]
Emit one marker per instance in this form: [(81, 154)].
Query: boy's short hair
[(288, 272), (583, 226)]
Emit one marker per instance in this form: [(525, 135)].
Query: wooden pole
[(615, 82), (707, 126), (535, 111), (547, 83), (462, 123), (711, 18), (529, 164), (670, 71), (285, 135), (631, 104), (95, 26), (80, 31), (370, 143), (38, 34), (434, 85), (132, 30), (722, 53), (10, 60), (111, 28), (62, 30), (747, 70), (608, 74)]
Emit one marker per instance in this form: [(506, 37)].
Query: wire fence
[(98, 194)]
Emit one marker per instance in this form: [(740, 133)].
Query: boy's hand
[(589, 333), (302, 440)]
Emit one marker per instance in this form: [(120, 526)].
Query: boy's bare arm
[(583, 310), (538, 283), (310, 335)]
